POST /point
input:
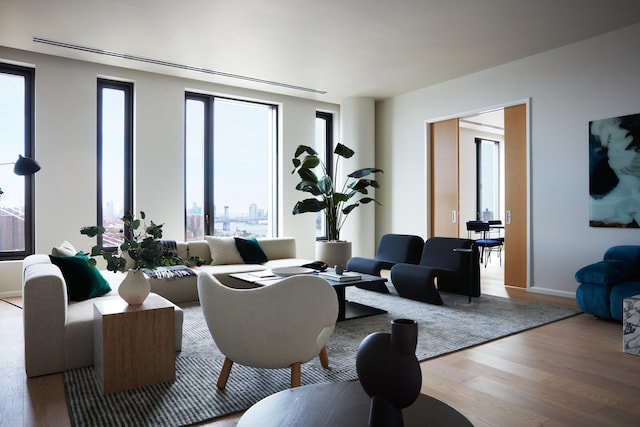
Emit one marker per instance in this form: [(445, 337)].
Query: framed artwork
[(614, 172)]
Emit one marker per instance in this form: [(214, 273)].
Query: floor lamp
[(23, 166)]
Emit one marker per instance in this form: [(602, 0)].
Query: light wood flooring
[(568, 373)]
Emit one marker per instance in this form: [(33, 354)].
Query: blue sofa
[(605, 284)]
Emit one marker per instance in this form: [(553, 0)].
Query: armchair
[(605, 284), (392, 249), (447, 264), (277, 326)]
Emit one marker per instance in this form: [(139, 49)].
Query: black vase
[(389, 372)]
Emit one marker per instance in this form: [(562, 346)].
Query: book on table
[(347, 276)]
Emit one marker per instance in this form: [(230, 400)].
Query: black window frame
[(29, 75), (209, 166), (127, 88), (328, 154)]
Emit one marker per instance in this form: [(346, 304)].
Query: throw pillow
[(65, 249), (606, 272), (223, 250), (251, 251), (83, 281)]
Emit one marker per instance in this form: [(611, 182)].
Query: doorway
[(453, 182)]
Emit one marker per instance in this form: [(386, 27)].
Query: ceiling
[(325, 50)]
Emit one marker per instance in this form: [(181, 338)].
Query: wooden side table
[(134, 345)]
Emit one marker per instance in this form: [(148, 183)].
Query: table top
[(341, 404), (261, 278), (118, 305)]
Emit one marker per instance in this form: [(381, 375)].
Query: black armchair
[(392, 249), (451, 263)]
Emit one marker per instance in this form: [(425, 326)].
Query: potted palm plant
[(336, 203)]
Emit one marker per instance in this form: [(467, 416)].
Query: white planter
[(333, 252), (135, 288)]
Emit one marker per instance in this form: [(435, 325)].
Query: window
[(17, 124), (487, 180), (230, 167), (115, 158), (324, 148)]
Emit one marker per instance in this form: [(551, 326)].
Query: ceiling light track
[(172, 64)]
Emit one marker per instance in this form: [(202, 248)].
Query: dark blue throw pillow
[(606, 272), (83, 281), (251, 251)]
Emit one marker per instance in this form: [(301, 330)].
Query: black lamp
[(23, 166)]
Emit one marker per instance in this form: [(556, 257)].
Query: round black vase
[(389, 372)]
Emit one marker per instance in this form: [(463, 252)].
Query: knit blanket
[(170, 272)]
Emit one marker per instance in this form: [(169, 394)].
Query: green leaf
[(364, 172), (344, 151), (340, 197), (309, 187), (92, 231), (308, 175), (325, 184), (309, 205), (349, 208), (310, 162), (304, 149)]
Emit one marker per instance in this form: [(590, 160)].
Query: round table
[(341, 404)]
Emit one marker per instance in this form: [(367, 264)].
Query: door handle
[(454, 216), (508, 217)]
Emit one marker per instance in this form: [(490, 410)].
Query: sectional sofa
[(58, 333)]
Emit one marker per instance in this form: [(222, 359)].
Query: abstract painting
[(614, 172)]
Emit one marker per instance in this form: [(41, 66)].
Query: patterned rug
[(194, 398)]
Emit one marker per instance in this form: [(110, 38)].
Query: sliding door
[(444, 178)]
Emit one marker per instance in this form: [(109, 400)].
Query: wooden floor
[(568, 373)]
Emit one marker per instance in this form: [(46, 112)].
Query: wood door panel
[(515, 128), (444, 178)]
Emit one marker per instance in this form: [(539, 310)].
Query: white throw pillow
[(223, 250), (65, 249)]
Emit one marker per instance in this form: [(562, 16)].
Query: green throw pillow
[(83, 281), (251, 251)]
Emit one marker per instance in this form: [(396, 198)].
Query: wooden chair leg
[(324, 357), (224, 373), (295, 374)]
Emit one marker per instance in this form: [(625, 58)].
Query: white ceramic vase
[(333, 252), (135, 288)]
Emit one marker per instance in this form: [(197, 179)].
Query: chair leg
[(324, 357), (295, 374), (224, 373)]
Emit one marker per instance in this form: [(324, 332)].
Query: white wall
[(568, 87), (66, 149)]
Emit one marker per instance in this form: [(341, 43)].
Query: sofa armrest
[(607, 272), (416, 282), (44, 295)]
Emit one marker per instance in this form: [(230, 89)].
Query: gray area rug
[(194, 398)]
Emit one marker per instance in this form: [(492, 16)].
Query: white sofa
[(58, 333), (280, 251)]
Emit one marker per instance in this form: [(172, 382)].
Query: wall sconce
[(23, 166)]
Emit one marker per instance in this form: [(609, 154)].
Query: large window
[(324, 148), (115, 158), (16, 192), (488, 179), (230, 167)]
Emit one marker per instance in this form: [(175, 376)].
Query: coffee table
[(343, 404), (346, 309)]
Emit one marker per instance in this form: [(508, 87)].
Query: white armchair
[(277, 326)]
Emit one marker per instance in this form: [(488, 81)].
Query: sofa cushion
[(606, 272), (83, 281), (250, 250), (223, 250), (65, 249)]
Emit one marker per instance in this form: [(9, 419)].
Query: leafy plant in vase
[(336, 203), (143, 247)]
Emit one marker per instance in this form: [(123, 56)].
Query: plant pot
[(135, 288), (333, 252)]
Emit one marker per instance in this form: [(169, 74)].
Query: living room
[(564, 88)]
